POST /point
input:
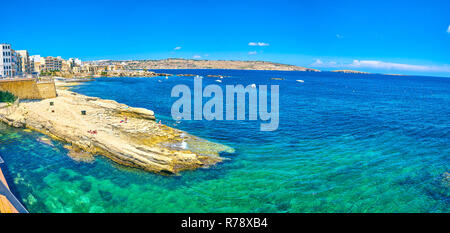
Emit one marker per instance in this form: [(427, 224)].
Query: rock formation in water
[(129, 136)]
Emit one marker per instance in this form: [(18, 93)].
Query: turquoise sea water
[(346, 143)]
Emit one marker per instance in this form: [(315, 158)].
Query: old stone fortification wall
[(46, 90), (29, 88)]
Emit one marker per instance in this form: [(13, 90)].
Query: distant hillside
[(178, 63)]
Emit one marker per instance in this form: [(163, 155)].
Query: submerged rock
[(446, 179), (45, 140), (106, 196), (79, 155), (86, 186)]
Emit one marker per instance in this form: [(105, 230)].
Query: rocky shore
[(129, 136)]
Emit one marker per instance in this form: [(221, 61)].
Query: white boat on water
[(218, 80), (300, 81)]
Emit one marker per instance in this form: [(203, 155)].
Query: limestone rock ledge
[(129, 136)]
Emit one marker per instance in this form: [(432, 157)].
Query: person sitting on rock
[(124, 121)]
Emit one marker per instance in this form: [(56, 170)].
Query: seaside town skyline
[(20, 64)]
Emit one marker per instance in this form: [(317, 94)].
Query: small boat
[(300, 81), (218, 80), (253, 85)]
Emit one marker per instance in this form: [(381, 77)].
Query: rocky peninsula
[(129, 136)]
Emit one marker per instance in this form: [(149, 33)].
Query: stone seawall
[(46, 90), (29, 88)]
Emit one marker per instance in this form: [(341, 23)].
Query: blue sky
[(406, 37)]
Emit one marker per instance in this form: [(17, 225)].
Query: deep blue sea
[(345, 143)]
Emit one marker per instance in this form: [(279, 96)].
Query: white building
[(74, 62), (36, 58), (6, 61), (37, 63), (78, 62)]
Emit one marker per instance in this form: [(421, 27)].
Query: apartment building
[(52, 63), (25, 61), (6, 61), (16, 63)]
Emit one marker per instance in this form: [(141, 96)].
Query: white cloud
[(197, 57), (396, 66), (320, 63), (177, 48), (448, 29), (252, 52), (380, 65), (258, 44)]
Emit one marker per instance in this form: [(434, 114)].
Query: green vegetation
[(7, 97), (49, 72)]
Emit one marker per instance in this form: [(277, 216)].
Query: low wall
[(28, 88), (46, 90)]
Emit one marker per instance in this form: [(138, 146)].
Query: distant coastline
[(179, 63), (146, 67), (350, 72)]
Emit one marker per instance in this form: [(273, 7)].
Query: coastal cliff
[(129, 136)]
